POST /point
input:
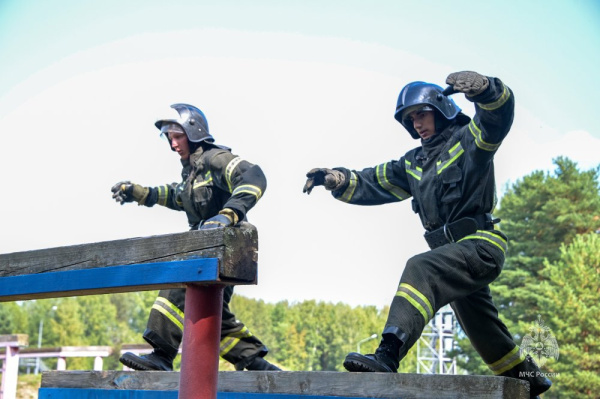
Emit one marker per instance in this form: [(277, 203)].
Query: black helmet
[(191, 119), (422, 95)]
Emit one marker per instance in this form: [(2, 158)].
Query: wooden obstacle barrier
[(281, 385), (202, 261)]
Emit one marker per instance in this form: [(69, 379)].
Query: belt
[(452, 232)]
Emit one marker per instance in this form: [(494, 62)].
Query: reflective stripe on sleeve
[(499, 102), (230, 168), (396, 191), (163, 194), (248, 189), (476, 132), (349, 192)]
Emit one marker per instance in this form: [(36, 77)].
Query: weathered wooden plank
[(374, 385), (62, 393), (14, 340), (235, 247), (107, 280), (78, 393), (146, 380)]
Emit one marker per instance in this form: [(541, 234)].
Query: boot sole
[(133, 362), (539, 389), (355, 362)]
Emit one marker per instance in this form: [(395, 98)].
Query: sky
[(288, 85)]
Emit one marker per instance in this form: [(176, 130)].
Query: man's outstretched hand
[(330, 178), (126, 191)]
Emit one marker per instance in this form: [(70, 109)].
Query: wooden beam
[(109, 280), (329, 383), (202, 261), (14, 340), (235, 247)]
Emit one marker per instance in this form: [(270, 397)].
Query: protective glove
[(225, 218), (468, 82), (331, 179), (126, 191)]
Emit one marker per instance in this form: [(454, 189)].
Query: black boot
[(260, 364), (530, 372), (157, 360), (385, 359)]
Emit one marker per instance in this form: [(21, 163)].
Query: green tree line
[(551, 273), (309, 335)]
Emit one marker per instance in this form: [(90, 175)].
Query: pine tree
[(571, 309), (539, 213)]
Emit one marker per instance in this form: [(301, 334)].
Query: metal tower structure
[(435, 343)]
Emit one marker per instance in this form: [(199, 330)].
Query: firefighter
[(217, 190), (450, 178)]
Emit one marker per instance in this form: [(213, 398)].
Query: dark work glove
[(330, 178), (126, 191), (468, 82), (217, 222)]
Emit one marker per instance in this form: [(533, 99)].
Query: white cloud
[(532, 145)]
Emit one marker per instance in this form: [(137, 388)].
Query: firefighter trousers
[(165, 329), (458, 274)]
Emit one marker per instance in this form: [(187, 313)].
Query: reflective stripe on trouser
[(508, 361), (457, 274), (165, 328)]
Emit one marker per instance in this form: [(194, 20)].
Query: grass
[(28, 385)]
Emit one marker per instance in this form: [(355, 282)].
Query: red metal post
[(201, 338)]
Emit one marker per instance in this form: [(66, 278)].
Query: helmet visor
[(170, 127), (415, 108)]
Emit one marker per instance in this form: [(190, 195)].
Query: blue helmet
[(426, 96), (191, 119)]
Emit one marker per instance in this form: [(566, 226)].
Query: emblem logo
[(540, 343)]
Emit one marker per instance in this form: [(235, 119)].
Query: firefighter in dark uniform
[(217, 189), (450, 178)]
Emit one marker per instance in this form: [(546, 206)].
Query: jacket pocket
[(203, 195), (451, 184), (491, 260), (415, 206), (483, 260)]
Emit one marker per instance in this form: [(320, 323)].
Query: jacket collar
[(194, 158), (433, 146)]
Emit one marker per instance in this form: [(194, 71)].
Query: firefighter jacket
[(212, 179), (451, 176)]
